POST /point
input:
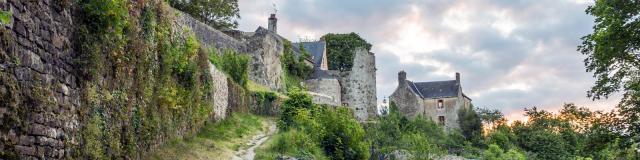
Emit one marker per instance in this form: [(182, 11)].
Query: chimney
[(273, 23), (458, 77), (402, 76)]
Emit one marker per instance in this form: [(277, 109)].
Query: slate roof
[(315, 49), (435, 89)]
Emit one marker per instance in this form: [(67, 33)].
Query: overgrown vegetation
[(341, 49), (144, 80), (295, 67), (215, 140), (336, 132), (220, 14), (233, 64)]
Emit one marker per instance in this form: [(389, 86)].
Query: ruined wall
[(359, 85), (263, 46), (220, 92), (206, 34), (324, 91), (38, 93), (265, 49)]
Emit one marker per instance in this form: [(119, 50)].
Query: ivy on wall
[(340, 49), (145, 81)]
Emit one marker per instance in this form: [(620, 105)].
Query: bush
[(233, 64), (494, 152), (292, 143), (298, 99)]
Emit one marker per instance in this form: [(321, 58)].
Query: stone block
[(26, 150), (27, 140)]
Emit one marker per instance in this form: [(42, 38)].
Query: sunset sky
[(511, 54)]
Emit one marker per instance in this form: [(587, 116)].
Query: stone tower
[(273, 23)]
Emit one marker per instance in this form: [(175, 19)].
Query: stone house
[(438, 100)]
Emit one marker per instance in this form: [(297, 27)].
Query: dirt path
[(248, 153)]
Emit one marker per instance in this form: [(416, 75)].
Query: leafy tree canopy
[(613, 55), (220, 14)]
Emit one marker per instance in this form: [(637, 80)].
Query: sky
[(511, 54)]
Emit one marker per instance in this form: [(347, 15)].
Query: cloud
[(511, 53)]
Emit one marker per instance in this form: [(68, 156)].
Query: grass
[(255, 87), (291, 143), (214, 141)]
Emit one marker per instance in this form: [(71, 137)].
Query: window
[(441, 120), (440, 104)]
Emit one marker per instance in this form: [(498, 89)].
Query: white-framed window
[(440, 104)]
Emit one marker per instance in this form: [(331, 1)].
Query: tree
[(341, 48), (491, 117), (613, 55), (220, 14), (470, 125)]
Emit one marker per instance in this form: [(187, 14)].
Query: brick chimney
[(458, 77), (273, 23), (402, 77)]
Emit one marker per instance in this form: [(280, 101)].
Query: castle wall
[(263, 47), (359, 85), (39, 95), (220, 92), (324, 91)]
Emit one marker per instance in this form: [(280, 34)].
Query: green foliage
[(494, 152), (470, 125), (92, 134), (295, 66), (421, 137), (337, 132), (341, 49), (105, 17), (5, 17), (294, 143), (298, 99), (145, 79), (233, 64), (220, 14), (613, 55)]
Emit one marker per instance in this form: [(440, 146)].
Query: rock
[(286, 158), (26, 150)]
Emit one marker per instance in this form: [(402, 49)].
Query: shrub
[(233, 64), (5, 17), (298, 99)]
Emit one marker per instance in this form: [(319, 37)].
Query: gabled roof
[(315, 49), (435, 89)]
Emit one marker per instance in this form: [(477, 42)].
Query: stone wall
[(38, 92), (263, 46), (408, 103), (325, 91), (220, 92), (450, 111), (206, 34), (359, 85)]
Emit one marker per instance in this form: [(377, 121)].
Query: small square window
[(440, 104), (441, 120)]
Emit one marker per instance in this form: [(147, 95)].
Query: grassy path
[(234, 138)]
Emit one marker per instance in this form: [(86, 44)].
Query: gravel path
[(248, 153)]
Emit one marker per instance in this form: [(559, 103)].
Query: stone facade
[(39, 94), (220, 92), (359, 85), (264, 48), (438, 100), (325, 91)]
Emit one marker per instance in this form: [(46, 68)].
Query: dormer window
[(440, 104)]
